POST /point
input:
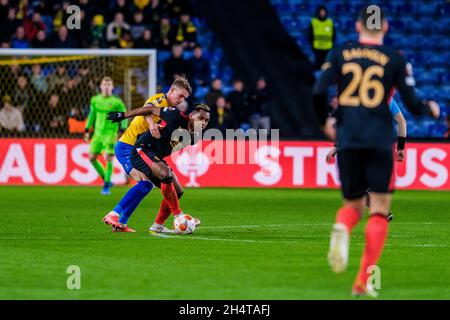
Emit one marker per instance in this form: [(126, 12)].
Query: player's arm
[(405, 84), (401, 135), (90, 122), (401, 125), (147, 110), (153, 127), (320, 98)]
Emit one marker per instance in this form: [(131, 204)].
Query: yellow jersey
[(139, 125)]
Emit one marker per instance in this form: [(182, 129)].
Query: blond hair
[(106, 78), (182, 83)]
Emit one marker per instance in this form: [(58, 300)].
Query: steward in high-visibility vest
[(322, 35)]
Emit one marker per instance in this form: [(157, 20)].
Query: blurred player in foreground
[(401, 140), (104, 132), (144, 121), (149, 153), (366, 74)]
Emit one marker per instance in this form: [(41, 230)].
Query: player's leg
[(390, 216), (168, 190), (129, 202), (353, 187), (95, 149), (380, 176), (107, 184), (164, 209)]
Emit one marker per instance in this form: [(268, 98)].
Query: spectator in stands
[(38, 80), (61, 15), (10, 117), (115, 30), (176, 65), (90, 7), (224, 117), (81, 36), (126, 41), (33, 25), (120, 6), (155, 12), (238, 101), (84, 90), (76, 121), (57, 79), (164, 34), (138, 26), (4, 7), (63, 39), (54, 119), (24, 99), (97, 36), (214, 93), (186, 32), (5, 45), (40, 41), (9, 25), (19, 40), (260, 106), (321, 35), (8, 79), (22, 94), (146, 41), (199, 67)]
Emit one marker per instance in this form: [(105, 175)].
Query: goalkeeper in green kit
[(105, 132)]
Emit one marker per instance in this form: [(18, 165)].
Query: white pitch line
[(281, 241), (299, 224)]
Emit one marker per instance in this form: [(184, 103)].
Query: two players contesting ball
[(143, 147)]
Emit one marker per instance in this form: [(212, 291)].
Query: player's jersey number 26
[(362, 81)]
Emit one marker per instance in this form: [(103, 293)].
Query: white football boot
[(160, 228), (338, 254)]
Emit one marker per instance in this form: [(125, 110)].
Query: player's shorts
[(102, 143), (362, 169), (123, 154), (142, 159)]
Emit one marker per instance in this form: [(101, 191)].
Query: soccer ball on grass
[(184, 224)]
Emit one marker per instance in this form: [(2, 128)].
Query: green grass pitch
[(253, 244)]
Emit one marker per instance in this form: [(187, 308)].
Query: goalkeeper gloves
[(116, 116)]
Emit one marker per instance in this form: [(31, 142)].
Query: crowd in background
[(54, 104)]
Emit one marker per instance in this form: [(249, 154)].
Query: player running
[(401, 140), (105, 132), (177, 131), (366, 74), (144, 121)]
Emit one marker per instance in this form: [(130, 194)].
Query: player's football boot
[(338, 254), (112, 219), (159, 228), (122, 228), (106, 188), (361, 290)]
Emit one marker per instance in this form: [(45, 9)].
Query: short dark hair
[(202, 106)]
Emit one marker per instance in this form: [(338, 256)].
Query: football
[(184, 224)]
